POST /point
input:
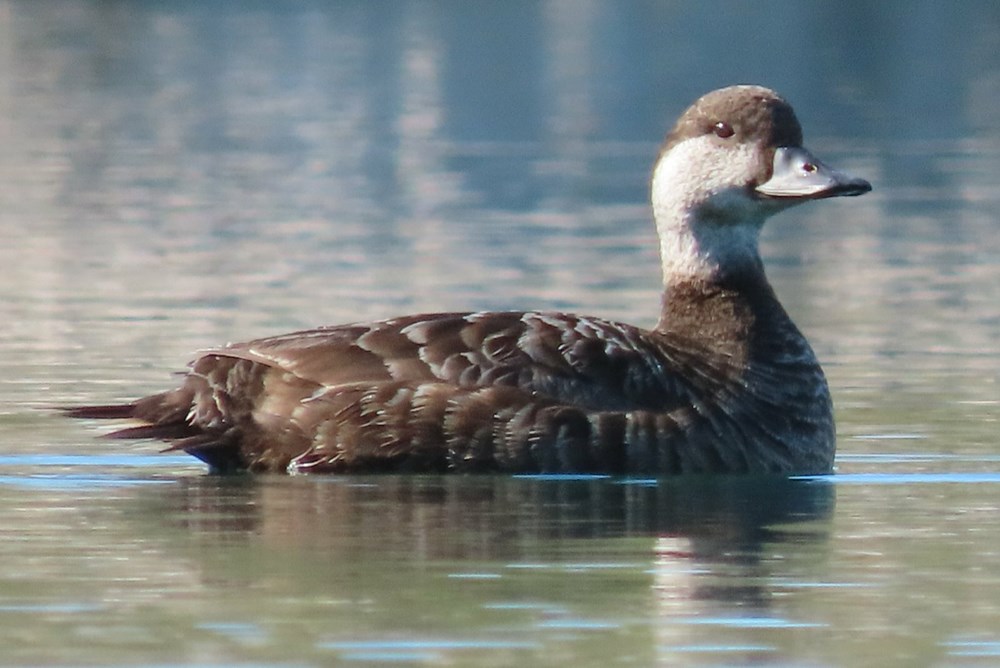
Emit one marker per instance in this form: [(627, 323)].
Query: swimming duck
[(724, 383)]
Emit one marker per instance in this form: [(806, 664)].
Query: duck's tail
[(106, 412), (165, 416)]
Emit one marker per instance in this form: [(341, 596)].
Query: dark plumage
[(724, 383)]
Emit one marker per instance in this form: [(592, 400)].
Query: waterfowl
[(724, 383)]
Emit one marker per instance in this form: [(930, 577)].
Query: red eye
[(723, 130)]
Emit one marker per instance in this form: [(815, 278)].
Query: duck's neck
[(708, 228), (714, 286), (703, 249)]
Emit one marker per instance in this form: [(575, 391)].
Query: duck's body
[(724, 382)]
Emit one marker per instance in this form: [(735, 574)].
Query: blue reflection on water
[(752, 622), (562, 476), (38, 471), (157, 463), (578, 624), (383, 651), (57, 608), (76, 482), (699, 649), (973, 648), (129, 460), (974, 477), (427, 644)]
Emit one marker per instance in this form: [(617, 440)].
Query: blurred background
[(175, 175), (203, 171)]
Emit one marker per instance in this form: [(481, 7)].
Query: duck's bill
[(798, 174)]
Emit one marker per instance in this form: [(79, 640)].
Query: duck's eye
[(723, 130)]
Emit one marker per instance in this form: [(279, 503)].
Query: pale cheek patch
[(706, 219), (697, 170)]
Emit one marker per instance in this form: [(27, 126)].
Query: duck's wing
[(570, 359), (468, 391)]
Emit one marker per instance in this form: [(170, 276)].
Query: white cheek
[(700, 172), (708, 223)]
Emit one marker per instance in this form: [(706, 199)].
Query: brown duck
[(724, 383)]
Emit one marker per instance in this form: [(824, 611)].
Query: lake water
[(177, 175)]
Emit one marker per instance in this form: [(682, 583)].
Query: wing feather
[(579, 361)]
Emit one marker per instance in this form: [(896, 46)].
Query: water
[(176, 175)]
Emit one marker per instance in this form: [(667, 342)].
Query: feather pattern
[(725, 382)]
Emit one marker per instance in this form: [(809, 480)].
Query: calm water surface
[(176, 175)]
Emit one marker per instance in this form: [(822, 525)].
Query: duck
[(724, 383)]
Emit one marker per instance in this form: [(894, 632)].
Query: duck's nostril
[(809, 168)]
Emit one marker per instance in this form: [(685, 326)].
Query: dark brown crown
[(754, 114)]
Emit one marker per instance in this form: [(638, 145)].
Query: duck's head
[(733, 158)]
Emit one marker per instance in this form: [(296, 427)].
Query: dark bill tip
[(851, 188)]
